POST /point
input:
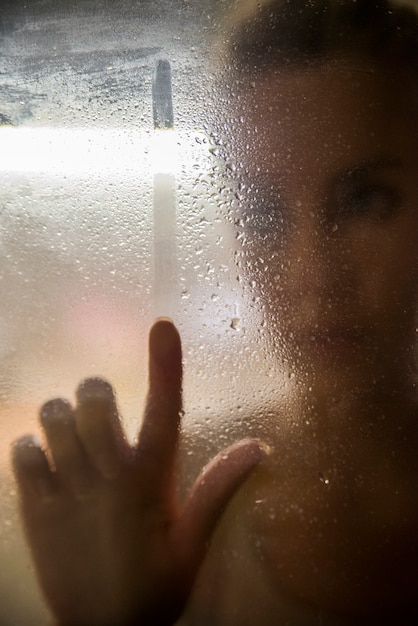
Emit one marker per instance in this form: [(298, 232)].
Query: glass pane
[(272, 215)]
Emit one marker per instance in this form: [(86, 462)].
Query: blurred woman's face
[(329, 201), (329, 231)]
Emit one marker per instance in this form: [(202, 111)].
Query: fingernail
[(53, 410), (257, 449), (25, 450), (26, 442), (94, 389), (26, 453)]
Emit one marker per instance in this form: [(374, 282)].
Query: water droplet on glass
[(323, 478), (235, 323)]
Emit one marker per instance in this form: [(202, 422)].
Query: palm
[(95, 544)]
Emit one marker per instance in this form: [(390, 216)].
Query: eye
[(370, 201)]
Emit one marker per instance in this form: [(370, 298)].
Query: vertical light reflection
[(165, 270)]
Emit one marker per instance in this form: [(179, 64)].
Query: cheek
[(385, 263)]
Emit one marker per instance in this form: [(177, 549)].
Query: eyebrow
[(363, 170)]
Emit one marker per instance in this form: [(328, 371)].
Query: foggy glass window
[(247, 169)]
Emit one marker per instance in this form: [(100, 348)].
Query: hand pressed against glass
[(330, 223), (111, 544)]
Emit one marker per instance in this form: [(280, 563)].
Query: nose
[(316, 272)]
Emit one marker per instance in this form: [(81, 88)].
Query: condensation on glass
[(112, 214)]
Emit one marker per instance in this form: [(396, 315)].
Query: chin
[(352, 571)]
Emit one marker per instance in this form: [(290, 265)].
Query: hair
[(261, 33), (271, 36)]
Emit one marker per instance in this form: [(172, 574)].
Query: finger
[(70, 460), (31, 468), (159, 433), (211, 494), (99, 427)]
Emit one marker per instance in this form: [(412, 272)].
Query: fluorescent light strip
[(89, 152)]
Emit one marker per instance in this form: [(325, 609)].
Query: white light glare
[(165, 153), (87, 152)]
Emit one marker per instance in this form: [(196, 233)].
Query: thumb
[(210, 495)]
